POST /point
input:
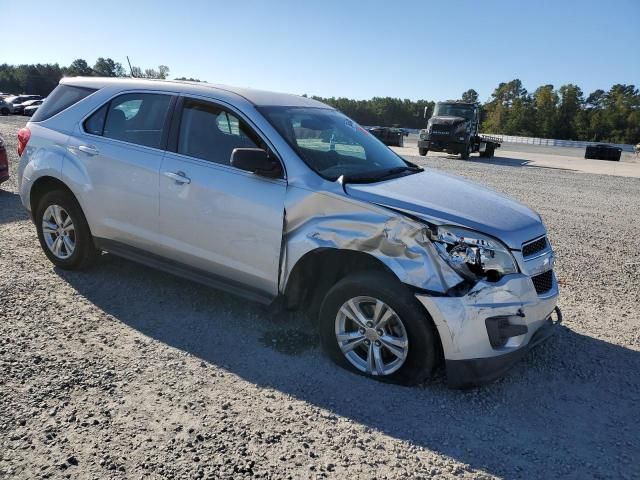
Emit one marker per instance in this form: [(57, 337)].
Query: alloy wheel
[(371, 336), (58, 231)]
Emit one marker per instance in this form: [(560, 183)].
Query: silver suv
[(281, 198)]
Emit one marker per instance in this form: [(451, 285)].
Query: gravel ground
[(125, 372)]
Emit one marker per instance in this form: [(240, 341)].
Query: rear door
[(121, 146), (214, 217)]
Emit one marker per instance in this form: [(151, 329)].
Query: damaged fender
[(316, 220)]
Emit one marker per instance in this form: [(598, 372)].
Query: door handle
[(88, 149), (179, 177)]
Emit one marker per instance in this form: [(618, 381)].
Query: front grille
[(543, 282), (439, 131), (536, 246)]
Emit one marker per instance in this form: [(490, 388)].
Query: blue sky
[(413, 49)]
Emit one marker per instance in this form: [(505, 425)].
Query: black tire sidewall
[(466, 153), (84, 248), (423, 347)]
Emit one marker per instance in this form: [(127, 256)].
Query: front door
[(214, 217)]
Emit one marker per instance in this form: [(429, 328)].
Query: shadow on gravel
[(503, 161), (570, 408), (513, 162), (11, 209)]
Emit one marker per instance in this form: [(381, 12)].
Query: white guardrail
[(555, 143)]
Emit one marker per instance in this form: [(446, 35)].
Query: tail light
[(24, 134)]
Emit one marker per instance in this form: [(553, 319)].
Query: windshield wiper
[(377, 175)]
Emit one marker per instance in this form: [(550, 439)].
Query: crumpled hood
[(433, 195)]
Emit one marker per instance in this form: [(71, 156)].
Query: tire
[(84, 253), (401, 141), (5, 111), (488, 153), (467, 152), (423, 151), (422, 351)]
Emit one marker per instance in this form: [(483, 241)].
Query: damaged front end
[(477, 291)]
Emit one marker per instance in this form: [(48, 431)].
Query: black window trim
[(165, 127), (174, 131)]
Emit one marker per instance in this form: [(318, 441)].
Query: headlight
[(472, 254)]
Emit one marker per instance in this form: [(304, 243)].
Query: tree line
[(41, 79), (563, 113)]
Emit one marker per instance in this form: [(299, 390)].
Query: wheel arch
[(318, 270), (43, 185)]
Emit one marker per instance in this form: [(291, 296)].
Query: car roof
[(257, 97)]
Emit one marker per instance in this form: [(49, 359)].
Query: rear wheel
[(4, 111), (63, 231), (371, 324), (423, 151)]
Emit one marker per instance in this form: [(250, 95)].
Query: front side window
[(334, 145), (211, 133), (133, 117)]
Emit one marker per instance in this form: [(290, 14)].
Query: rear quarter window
[(62, 97)]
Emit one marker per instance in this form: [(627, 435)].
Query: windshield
[(453, 110), (334, 145)]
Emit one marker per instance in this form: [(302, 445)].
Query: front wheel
[(423, 151), (4, 111), (466, 153), (371, 324)]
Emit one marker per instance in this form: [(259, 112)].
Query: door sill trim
[(181, 270)]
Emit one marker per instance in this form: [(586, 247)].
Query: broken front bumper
[(486, 331)]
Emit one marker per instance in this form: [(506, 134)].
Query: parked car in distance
[(4, 162), (30, 107), (388, 135), (14, 103), (5, 108), (286, 201), (603, 152)]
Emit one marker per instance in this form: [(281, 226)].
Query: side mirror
[(256, 160)]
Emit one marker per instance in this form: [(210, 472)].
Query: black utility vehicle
[(603, 152), (453, 128), (389, 136)]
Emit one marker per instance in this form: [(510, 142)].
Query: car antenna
[(130, 69)]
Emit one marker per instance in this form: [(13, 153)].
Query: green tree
[(545, 101), (571, 103), (161, 73), (470, 96), (106, 67), (190, 79), (78, 68)]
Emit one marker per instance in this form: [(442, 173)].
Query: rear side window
[(133, 117), (62, 97)]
